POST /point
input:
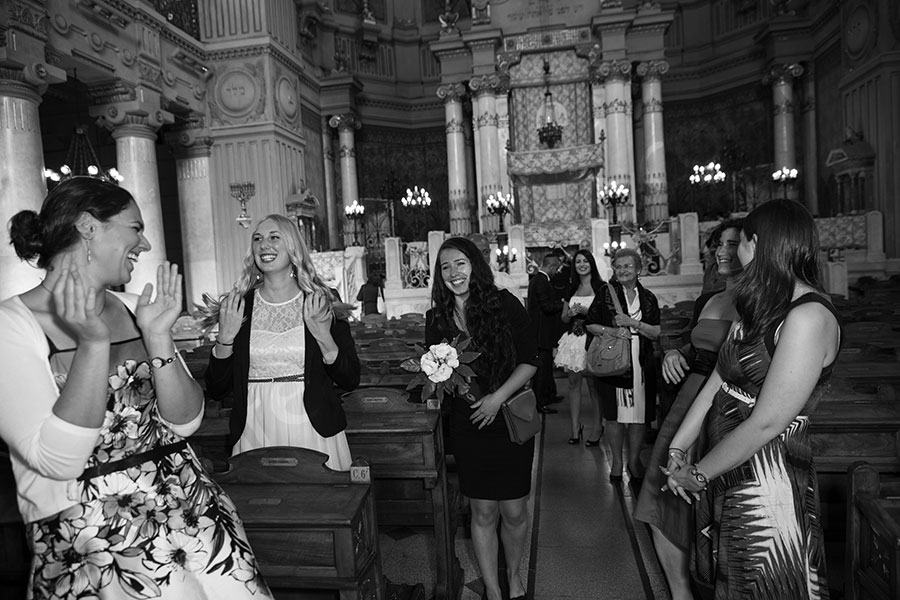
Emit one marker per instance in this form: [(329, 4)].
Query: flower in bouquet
[(443, 369)]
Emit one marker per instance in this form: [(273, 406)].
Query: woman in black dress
[(494, 473)]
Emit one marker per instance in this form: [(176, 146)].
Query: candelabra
[(610, 248), (355, 212), (614, 195), (499, 205), (82, 161), (505, 256), (550, 133), (785, 176), (705, 175), (242, 192), (417, 200)]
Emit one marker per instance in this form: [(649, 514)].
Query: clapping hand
[(318, 315), (231, 316), (156, 316), (674, 367), (77, 306)]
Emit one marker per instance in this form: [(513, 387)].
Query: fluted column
[(346, 124), (22, 184), (195, 206), (136, 161), (486, 121), (458, 193), (781, 78), (331, 207), (810, 142), (615, 74), (655, 196)]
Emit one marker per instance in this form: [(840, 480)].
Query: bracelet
[(224, 344), (679, 451), (702, 479)]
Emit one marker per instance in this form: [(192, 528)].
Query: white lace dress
[(571, 351), (276, 415)]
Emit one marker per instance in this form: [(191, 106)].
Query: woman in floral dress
[(757, 520), (96, 404)]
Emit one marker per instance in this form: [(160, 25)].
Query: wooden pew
[(403, 444), (873, 535), (310, 527)]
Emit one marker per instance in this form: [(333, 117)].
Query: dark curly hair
[(575, 278), (486, 320), (787, 251), (45, 235)]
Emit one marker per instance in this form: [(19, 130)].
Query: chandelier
[(710, 173), (550, 133), (82, 161), (242, 192), (417, 200)]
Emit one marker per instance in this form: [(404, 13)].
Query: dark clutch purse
[(523, 420)]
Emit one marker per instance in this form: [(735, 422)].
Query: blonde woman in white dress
[(283, 346), (585, 283)]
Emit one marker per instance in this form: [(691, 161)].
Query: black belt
[(131, 461), (282, 379)]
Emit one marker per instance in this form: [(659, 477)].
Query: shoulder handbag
[(608, 355), (523, 420)]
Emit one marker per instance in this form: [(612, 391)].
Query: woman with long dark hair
[(759, 513), (584, 285), (494, 473), (670, 519)]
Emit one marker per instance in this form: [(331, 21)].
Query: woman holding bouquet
[(494, 472)]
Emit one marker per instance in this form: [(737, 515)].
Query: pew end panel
[(873, 535)]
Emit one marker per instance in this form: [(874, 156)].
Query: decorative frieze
[(540, 40), (454, 126), (28, 19), (487, 120)]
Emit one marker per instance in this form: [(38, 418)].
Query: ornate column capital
[(345, 122), (191, 140), (118, 106), (653, 69), (483, 84), (451, 92), (782, 74), (33, 78), (613, 70)]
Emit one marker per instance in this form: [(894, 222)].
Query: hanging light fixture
[(550, 133), (82, 161)]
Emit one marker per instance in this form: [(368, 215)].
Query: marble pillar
[(655, 196), (810, 143), (502, 100), (471, 185), (346, 124), (195, 204), (136, 161), (22, 185), (458, 193), (619, 163), (598, 110), (488, 157), (331, 207), (781, 78)]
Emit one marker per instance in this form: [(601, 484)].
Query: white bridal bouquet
[(443, 369)]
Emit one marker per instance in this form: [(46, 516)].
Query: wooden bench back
[(281, 464)]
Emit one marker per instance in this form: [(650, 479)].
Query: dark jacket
[(545, 310), (323, 404)]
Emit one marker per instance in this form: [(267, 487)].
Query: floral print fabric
[(161, 528)]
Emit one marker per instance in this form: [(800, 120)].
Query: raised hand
[(77, 306), (231, 316), (317, 314), (156, 316)]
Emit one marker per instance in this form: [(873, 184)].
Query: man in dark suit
[(545, 308)]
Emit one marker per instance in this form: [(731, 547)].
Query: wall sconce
[(242, 192)]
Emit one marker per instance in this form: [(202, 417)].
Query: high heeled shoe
[(575, 440), (593, 443)]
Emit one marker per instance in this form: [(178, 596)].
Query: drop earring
[(89, 251)]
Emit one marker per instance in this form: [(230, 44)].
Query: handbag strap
[(615, 299)]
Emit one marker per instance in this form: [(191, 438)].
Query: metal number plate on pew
[(278, 461), (360, 474)]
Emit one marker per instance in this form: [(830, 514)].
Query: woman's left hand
[(157, 316), (683, 484), (317, 314), (624, 321), (485, 410)]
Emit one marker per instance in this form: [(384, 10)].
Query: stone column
[(781, 78), (656, 199), (486, 122), (136, 161), (331, 207), (615, 74), (458, 193), (689, 226), (471, 185), (810, 143), (195, 204), (598, 110), (502, 100), (22, 184), (346, 124)]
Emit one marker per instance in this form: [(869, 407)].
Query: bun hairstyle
[(43, 236)]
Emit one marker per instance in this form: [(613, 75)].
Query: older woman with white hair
[(634, 403)]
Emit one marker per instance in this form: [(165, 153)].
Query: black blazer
[(545, 310), (323, 404)]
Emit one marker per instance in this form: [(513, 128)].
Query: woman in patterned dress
[(96, 404), (281, 350), (759, 533)]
